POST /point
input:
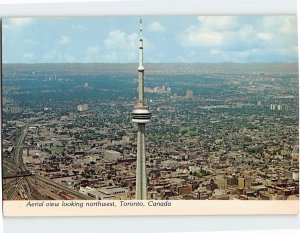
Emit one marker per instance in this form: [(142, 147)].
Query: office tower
[(82, 107), (189, 94)]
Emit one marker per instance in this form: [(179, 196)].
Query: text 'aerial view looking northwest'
[(150, 108)]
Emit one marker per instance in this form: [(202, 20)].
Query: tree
[(183, 131)]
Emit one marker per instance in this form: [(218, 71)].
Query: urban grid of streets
[(219, 131)]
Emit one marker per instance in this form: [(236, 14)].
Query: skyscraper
[(141, 115), (189, 94)]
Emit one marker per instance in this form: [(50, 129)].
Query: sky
[(167, 39)]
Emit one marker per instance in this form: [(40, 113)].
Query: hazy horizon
[(124, 63)]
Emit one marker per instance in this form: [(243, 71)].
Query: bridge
[(19, 174)]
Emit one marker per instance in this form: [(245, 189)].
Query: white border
[(34, 8)]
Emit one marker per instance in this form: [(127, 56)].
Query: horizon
[(155, 63)]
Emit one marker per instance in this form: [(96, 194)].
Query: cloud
[(120, 46), (78, 27), (30, 41), (111, 56), (16, 23), (92, 54), (264, 36), (241, 39), (192, 39), (211, 32), (64, 40), (118, 39), (156, 27), (215, 51), (28, 57), (92, 50), (218, 22), (197, 37), (282, 24), (57, 57), (117, 46)]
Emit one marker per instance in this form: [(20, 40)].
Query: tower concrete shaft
[(141, 176)]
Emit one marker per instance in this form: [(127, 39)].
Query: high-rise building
[(279, 107), (241, 182), (273, 106), (222, 183), (141, 115), (189, 94), (244, 182), (82, 107), (15, 109)]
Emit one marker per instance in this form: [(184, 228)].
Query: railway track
[(74, 193), (27, 187)]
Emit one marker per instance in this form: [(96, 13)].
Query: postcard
[(153, 115)]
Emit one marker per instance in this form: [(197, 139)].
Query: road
[(19, 148)]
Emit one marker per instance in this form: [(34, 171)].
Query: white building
[(82, 107), (112, 190), (111, 155)]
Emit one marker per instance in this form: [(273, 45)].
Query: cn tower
[(141, 115)]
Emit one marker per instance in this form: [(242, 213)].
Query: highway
[(19, 148)]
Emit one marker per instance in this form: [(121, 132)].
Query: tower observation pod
[(141, 115)]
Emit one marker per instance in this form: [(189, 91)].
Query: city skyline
[(239, 141), (168, 39)]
